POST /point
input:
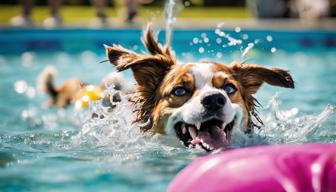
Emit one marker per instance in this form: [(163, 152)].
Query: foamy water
[(122, 141), (281, 126)]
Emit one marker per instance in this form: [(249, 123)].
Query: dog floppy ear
[(253, 76), (148, 71)]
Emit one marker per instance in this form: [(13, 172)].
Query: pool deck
[(201, 23)]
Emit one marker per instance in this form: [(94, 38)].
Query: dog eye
[(230, 88), (179, 91)]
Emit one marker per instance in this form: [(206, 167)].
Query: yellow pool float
[(87, 94)]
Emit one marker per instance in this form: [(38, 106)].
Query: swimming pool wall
[(72, 40)]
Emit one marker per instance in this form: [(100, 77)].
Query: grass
[(75, 14)]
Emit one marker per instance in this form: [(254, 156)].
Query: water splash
[(281, 126), (235, 41), (22, 87), (225, 41), (231, 41), (247, 49), (291, 126), (169, 19)]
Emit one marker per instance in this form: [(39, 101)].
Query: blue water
[(63, 150)]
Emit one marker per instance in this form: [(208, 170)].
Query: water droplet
[(206, 40), (28, 113), (20, 86), (245, 36), (31, 92), (237, 29), (78, 105), (86, 98), (219, 40), (201, 50), (219, 25), (219, 55), (203, 35), (27, 59), (269, 38), (195, 40), (222, 34), (217, 31), (273, 49), (247, 49)]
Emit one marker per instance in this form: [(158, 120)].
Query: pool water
[(66, 150)]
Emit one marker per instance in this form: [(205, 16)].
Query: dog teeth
[(223, 126), (198, 146), (198, 125), (206, 145), (192, 132), (184, 129)]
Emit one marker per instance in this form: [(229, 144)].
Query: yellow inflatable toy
[(87, 94)]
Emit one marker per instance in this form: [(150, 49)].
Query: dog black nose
[(214, 102)]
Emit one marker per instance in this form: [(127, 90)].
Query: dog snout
[(214, 102)]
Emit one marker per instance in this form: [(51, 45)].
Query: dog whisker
[(104, 61)]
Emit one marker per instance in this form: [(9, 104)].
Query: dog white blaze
[(192, 111)]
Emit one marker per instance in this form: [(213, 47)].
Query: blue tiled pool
[(63, 150)]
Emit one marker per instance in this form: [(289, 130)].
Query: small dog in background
[(203, 104), (75, 91)]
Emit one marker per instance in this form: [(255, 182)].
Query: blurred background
[(117, 13)]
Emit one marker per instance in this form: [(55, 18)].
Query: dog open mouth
[(210, 135)]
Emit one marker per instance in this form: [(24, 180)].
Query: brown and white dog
[(75, 91), (201, 104)]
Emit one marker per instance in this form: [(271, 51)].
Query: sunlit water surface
[(63, 150)]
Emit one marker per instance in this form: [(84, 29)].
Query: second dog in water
[(78, 93)]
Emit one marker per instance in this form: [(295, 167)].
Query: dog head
[(198, 103)]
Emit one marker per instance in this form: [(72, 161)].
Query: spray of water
[(224, 40), (281, 126), (289, 126), (169, 19), (111, 134), (231, 41)]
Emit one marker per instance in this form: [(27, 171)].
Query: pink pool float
[(291, 168)]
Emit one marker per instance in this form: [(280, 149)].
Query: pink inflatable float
[(292, 168)]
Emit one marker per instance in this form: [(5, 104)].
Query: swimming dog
[(201, 104), (75, 91)]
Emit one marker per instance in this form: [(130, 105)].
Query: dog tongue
[(213, 136)]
